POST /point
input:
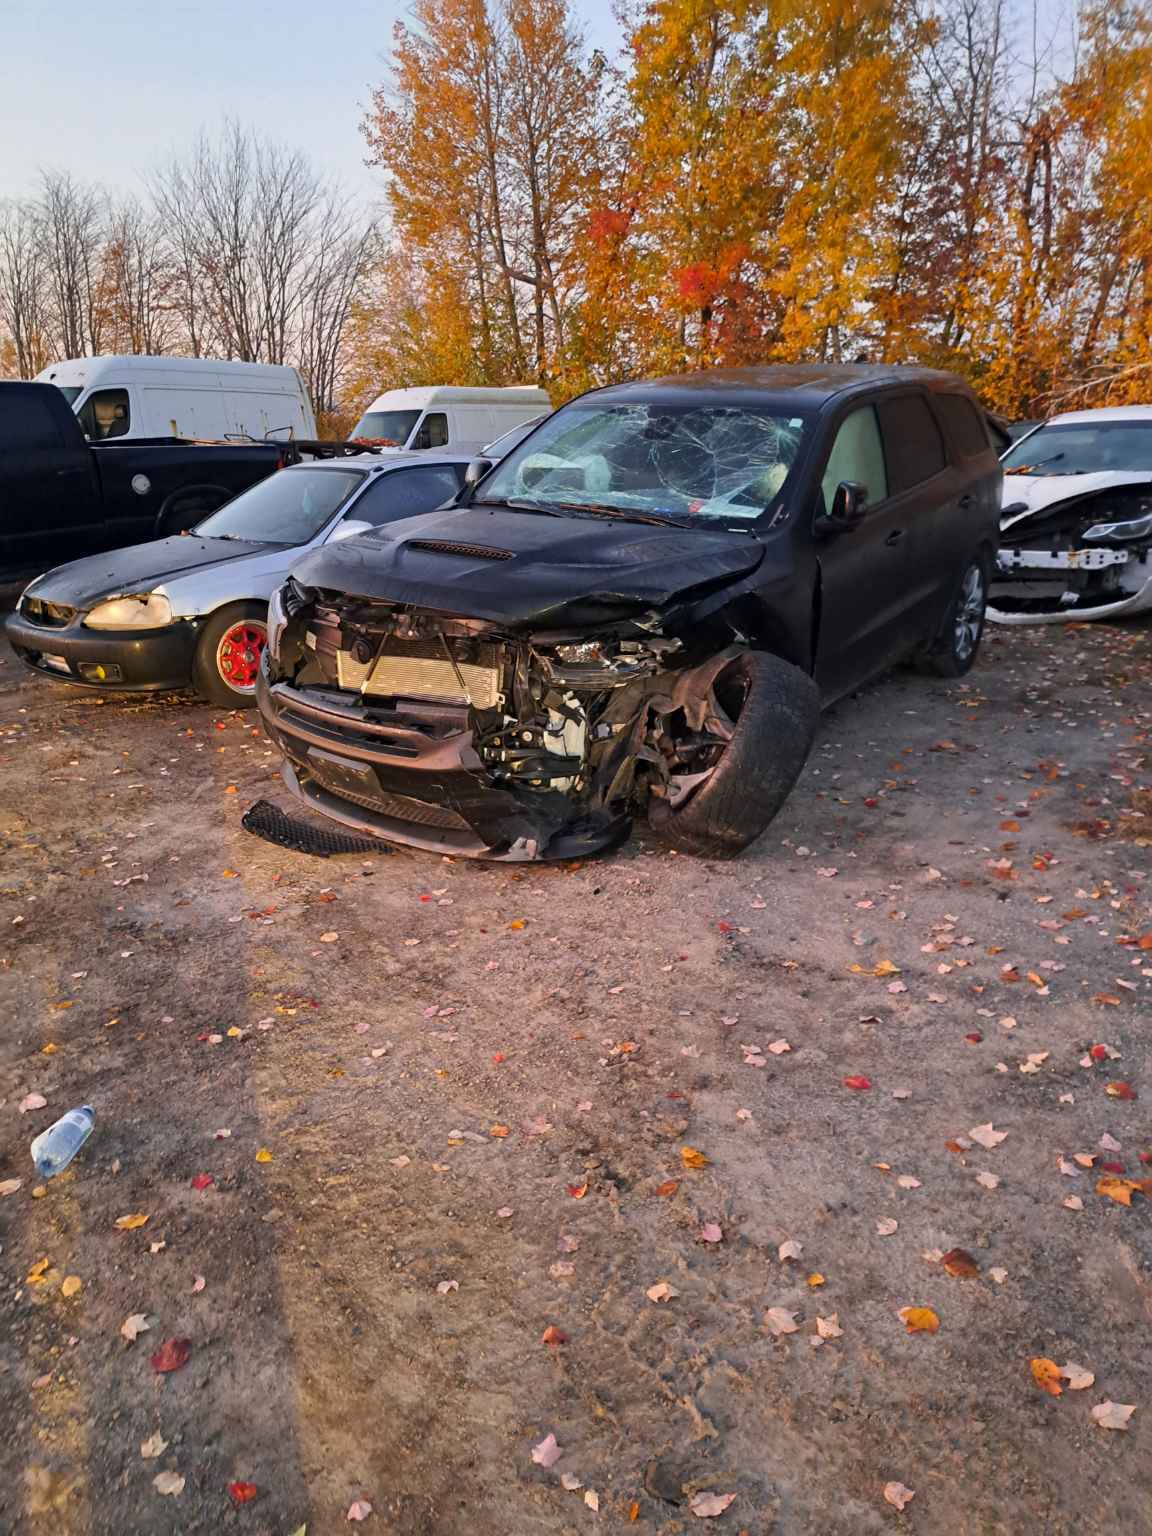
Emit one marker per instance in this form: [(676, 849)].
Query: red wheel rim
[(238, 654)]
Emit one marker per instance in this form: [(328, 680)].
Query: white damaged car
[(1076, 519)]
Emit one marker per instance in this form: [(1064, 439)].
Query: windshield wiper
[(592, 509), (1026, 469)]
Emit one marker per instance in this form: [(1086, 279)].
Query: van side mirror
[(477, 469), (849, 500)]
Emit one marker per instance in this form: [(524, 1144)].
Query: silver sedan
[(193, 609)]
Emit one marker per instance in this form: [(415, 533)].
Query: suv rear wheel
[(228, 655), (958, 643), (730, 781)]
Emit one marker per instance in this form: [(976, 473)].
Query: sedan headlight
[(1138, 528), (142, 610)]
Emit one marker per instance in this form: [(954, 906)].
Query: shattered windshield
[(722, 462), (1082, 448)]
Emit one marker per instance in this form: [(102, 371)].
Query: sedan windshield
[(722, 462), (1082, 448), (384, 427), (290, 507)]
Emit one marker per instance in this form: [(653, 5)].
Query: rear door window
[(26, 421), (858, 456), (406, 492), (913, 443), (964, 425)]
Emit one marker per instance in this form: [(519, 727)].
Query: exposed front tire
[(728, 790), (227, 659), (957, 645)]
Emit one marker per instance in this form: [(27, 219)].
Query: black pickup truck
[(62, 497)]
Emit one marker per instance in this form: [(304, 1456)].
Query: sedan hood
[(1029, 494), (516, 568), (138, 568)]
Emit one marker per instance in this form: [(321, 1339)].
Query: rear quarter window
[(913, 443), (964, 425)]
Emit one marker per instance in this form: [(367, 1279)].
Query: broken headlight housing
[(140, 610), (1138, 528)]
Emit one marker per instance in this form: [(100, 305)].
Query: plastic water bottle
[(55, 1148)]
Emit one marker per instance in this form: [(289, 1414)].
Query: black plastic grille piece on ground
[(272, 824)]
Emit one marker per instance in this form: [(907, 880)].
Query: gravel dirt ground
[(462, 1124)]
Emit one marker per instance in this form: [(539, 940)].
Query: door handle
[(895, 536)]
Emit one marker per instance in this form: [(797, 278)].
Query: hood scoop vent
[(469, 551)]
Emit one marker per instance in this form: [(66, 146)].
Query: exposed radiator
[(422, 671)]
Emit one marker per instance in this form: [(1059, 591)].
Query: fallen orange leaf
[(499, 1130), (691, 1158), (130, 1223), (577, 1191), (669, 1187), (1120, 1190), (919, 1319), (1047, 1375), (1120, 1091)]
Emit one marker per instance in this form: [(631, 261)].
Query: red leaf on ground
[(241, 1493), (857, 1082), (171, 1355), (1120, 1091), (203, 1181), (1099, 1053), (577, 1191), (553, 1335)]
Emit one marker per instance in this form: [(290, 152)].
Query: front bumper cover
[(412, 776), (139, 661)]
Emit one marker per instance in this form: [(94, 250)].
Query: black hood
[(561, 570), (136, 568)]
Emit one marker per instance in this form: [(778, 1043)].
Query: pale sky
[(107, 88)]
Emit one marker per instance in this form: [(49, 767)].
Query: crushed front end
[(458, 736), (1085, 556)]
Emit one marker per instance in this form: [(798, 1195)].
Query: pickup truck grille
[(50, 615)]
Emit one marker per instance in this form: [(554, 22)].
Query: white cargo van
[(452, 419), (194, 397)]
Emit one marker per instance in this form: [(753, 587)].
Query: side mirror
[(849, 500), (477, 469), (349, 528)]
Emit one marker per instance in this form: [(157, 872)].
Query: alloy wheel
[(238, 654)]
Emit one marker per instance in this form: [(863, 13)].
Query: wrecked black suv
[(637, 613)]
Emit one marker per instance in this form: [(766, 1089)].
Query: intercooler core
[(422, 669)]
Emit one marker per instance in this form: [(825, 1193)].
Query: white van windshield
[(723, 462), (389, 427)]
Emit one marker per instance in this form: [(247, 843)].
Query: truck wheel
[(228, 655), (730, 789), (955, 648), (184, 508)]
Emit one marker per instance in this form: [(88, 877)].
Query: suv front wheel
[(956, 646), (728, 782)]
